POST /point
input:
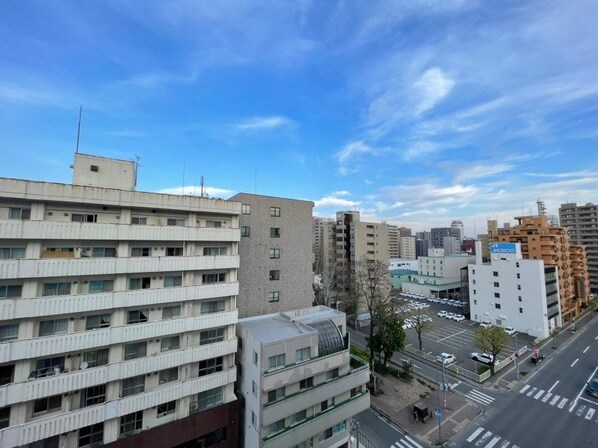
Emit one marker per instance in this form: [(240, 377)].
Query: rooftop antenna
[(79, 129), (202, 190), (137, 165), (541, 207)]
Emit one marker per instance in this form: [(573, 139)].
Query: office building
[(408, 247), (458, 224), (276, 252), (324, 230), (118, 313), (438, 234), (300, 384), (421, 248), (451, 245), (393, 241), (582, 223)]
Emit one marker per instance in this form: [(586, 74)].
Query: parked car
[(592, 387), (442, 313), (450, 316), (485, 358), (485, 324), (510, 331), (459, 318), (446, 358)]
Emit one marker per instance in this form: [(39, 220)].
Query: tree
[(392, 338), (326, 289), (421, 325), (492, 340), (372, 283)]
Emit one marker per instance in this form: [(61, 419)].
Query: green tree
[(492, 340), (392, 338)]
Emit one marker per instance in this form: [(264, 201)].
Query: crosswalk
[(406, 442), (482, 438), (579, 409), (480, 397)]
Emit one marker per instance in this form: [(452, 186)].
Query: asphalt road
[(382, 433)]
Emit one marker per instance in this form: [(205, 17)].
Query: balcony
[(83, 340), (45, 268), (64, 382)]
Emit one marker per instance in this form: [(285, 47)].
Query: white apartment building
[(511, 291), (117, 313), (408, 247), (300, 384), (438, 274)]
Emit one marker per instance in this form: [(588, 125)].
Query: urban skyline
[(413, 113)]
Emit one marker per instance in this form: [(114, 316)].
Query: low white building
[(511, 291), (403, 263), (300, 384)]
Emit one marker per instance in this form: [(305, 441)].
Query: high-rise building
[(458, 224), (118, 313), (405, 231), (393, 241), (451, 245), (421, 248), (301, 386), (408, 247), (276, 253), (582, 223), (324, 230), (438, 233), (540, 241)]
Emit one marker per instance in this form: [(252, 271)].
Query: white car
[(510, 331), (446, 358), (451, 316), (459, 318), (485, 358), (442, 313), (485, 324)]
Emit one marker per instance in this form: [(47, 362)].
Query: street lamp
[(355, 430)]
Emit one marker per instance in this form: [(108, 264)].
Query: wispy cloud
[(433, 86), (480, 170), (263, 123)]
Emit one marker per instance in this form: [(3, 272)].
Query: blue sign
[(503, 248), (437, 411)]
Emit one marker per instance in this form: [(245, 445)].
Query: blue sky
[(414, 112)]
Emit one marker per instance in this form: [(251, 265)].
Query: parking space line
[(439, 340)]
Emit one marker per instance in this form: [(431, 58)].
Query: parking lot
[(453, 337)]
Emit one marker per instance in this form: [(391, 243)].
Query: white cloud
[(433, 86), (479, 170), (263, 123), (331, 201), (341, 193), (354, 148), (420, 149), (195, 190)]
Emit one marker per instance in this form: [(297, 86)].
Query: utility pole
[(516, 357), (444, 385)]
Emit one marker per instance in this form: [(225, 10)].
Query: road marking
[(493, 442), (413, 442), (539, 394), (563, 402), (590, 414), (474, 434), (583, 388), (524, 389), (480, 397), (580, 409), (505, 444), (596, 338), (574, 362), (554, 400), (531, 392), (546, 397), (483, 439), (587, 348), (553, 386), (450, 336)]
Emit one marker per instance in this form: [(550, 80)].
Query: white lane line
[(582, 407), (539, 394), (583, 388), (546, 397), (596, 338), (524, 389), (479, 397), (531, 392), (450, 336), (493, 442), (574, 362), (590, 414), (553, 386), (483, 439), (554, 400), (476, 433), (587, 348), (413, 442), (504, 444), (563, 402)]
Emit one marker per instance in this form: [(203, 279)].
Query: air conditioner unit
[(194, 407)]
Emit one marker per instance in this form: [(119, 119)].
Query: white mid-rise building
[(408, 247), (117, 313), (511, 291), (299, 382)]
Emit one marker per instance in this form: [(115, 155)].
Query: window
[(135, 350), (473, 281), (332, 374), (168, 375), (275, 395), (137, 316), (497, 306), (306, 383), (213, 306), (518, 275), (56, 289), (519, 287), (209, 366), (475, 302), (95, 358), (253, 419), (171, 312), (275, 427), (517, 264), (47, 404), (48, 327), (173, 281), (275, 211), (133, 385), (214, 438), (93, 395), (10, 291), (209, 398), (273, 296), (175, 222), (19, 213), (213, 224), (214, 250), (103, 252), (91, 435), (141, 252), (166, 408), (48, 366), (495, 273), (6, 374), (274, 253), (306, 444), (474, 292), (275, 274), (497, 295), (303, 354), (520, 299), (131, 423), (174, 251), (276, 362), (520, 310), (245, 209), (138, 220), (12, 252), (4, 417), (245, 231), (211, 336), (84, 217), (255, 357), (170, 343), (213, 278), (97, 321), (496, 284), (274, 232), (254, 388), (101, 285), (298, 417), (326, 404), (9, 332), (140, 283)]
